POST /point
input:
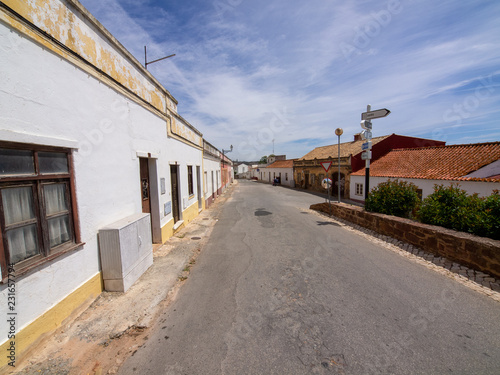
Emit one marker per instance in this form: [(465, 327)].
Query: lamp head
[(339, 131)]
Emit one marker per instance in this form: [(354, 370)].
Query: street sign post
[(366, 134), (326, 165), (378, 113)]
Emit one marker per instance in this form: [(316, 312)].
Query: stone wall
[(479, 253)]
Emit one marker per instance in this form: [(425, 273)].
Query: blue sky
[(250, 72)]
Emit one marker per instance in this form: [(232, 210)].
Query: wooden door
[(145, 190), (175, 192)]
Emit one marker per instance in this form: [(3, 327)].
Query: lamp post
[(338, 133), (223, 158)]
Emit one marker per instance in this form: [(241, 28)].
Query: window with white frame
[(359, 189), (38, 214)]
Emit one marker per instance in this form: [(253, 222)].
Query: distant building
[(308, 172), (476, 167), (281, 169), (242, 170)]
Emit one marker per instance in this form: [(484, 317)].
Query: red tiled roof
[(436, 163), (346, 149), (282, 164)]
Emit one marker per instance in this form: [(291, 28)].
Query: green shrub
[(451, 207), (492, 213), (393, 197)]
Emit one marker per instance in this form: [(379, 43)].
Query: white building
[(212, 173), (282, 169), (87, 137), (242, 171), (475, 167)]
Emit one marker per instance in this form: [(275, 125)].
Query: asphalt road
[(281, 290)]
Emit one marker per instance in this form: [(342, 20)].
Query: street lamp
[(339, 132), (225, 152)]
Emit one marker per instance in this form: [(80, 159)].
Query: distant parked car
[(255, 178)]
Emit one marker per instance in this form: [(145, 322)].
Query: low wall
[(479, 253)]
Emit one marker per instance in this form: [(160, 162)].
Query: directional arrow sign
[(326, 165), (378, 113)]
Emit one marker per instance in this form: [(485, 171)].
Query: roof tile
[(346, 149), (437, 163)]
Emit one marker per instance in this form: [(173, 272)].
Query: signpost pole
[(339, 132), (329, 202), (367, 166)]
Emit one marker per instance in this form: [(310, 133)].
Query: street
[(279, 289)]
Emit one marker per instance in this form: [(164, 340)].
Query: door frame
[(154, 197), (175, 193)]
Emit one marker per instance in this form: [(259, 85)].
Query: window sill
[(28, 267)]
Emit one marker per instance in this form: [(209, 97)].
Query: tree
[(263, 160)]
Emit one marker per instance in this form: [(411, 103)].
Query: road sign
[(326, 183), (378, 113), (326, 165), (366, 134), (366, 145), (366, 155), (366, 124)]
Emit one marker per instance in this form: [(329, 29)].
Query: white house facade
[(87, 137), (281, 169)]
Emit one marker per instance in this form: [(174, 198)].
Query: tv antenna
[(146, 63)]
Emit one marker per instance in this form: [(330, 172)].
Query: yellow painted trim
[(190, 213), (167, 231), (36, 331), (45, 42)]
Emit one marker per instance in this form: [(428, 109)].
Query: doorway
[(174, 172), (335, 184), (198, 190), (145, 188), (150, 202)]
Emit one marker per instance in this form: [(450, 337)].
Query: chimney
[(357, 137)]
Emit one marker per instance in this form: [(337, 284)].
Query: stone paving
[(479, 281)]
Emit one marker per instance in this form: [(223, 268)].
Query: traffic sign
[(326, 183), (366, 145), (366, 124), (366, 135), (326, 165), (378, 113), (366, 155)]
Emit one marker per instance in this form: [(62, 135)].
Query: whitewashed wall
[(482, 188), (210, 166), (46, 100), (272, 171)]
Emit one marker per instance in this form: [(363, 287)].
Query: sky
[(279, 76)]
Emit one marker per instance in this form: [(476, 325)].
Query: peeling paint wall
[(180, 127), (48, 98), (70, 27)]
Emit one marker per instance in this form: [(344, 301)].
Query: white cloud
[(236, 69)]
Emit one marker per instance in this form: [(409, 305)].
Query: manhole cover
[(196, 238)]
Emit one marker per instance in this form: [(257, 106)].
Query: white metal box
[(126, 251)]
